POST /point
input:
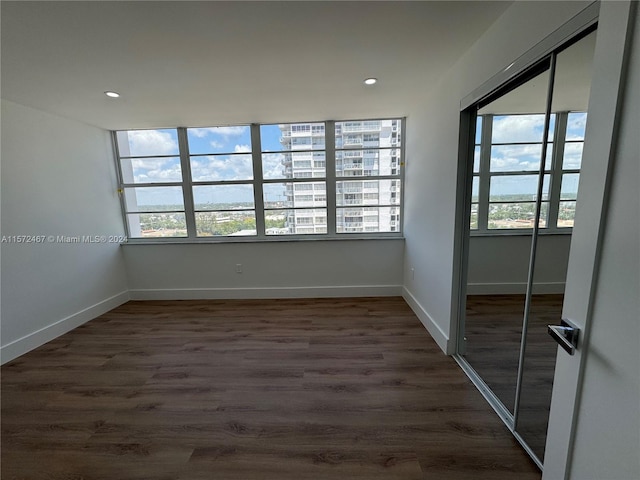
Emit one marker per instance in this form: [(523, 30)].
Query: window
[(221, 175), (289, 202), (262, 181), (367, 177), (151, 174), (506, 170)]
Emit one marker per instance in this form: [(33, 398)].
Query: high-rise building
[(367, 168), (307, 159)]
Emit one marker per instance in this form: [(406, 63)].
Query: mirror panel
[(569, 106), (508, 150)]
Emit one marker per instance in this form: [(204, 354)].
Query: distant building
[(367, 154)]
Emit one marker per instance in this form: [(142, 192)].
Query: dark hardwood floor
[(259, 389)]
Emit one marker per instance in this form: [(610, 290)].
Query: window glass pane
[(478, 130), (517, 158), (367, 219), (572, 158), (514, 188), (517, 128), (576, 125), (367, 163), (566, 214), (368, 133), (151, 170), (294, 165), (476, 160), (223, 197), (212, 168), (153, 199), (225, 223), (475, 188), (357, 126), (291, 195), (292, 136), (474, 216), (516, 215), (154, 225), (147, 143), (368, 192), (276, 165), (552, 127), (569, 189), (230, 139), (296, 221)]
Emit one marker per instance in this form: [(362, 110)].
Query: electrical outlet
[(238, 268)]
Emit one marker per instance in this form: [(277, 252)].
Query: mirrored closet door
[(522, 188)]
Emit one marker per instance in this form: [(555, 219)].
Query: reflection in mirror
[(508, 148), (570, 98)]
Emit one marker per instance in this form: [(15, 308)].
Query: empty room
[(320, 240)]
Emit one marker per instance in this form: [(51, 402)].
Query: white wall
[(607, 441), (269, 269), (500, 264), (58, 178), (432, 157)]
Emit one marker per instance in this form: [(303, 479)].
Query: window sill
[(254, 240)]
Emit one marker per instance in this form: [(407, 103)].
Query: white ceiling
[(212, 63)]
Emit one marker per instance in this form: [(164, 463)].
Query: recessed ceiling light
[(112, 94), (370, 81)]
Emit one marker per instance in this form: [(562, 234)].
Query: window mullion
[(556, 168), (401, 170), (258, 197), (484, 174), (330, 155), (187, 190)]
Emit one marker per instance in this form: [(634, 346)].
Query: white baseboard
[(268, 292), (35, 339), (514, 288), (441, 338)]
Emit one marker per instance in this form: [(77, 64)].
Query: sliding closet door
[(508, 153), (572, 81)]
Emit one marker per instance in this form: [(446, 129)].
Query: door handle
[(566, 334)]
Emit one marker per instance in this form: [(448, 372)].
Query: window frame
[(555, 173), (258, 182)]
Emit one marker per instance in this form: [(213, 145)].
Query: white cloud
[(518, 128), (199, 132), (232, 167), (231, 131), (146, 170), (510, 158), (272, 165), (572, 155), (150, 142), (242, 149)]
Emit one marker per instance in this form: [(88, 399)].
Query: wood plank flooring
[(263, 389)]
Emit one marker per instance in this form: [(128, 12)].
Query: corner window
[(262, 181)]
